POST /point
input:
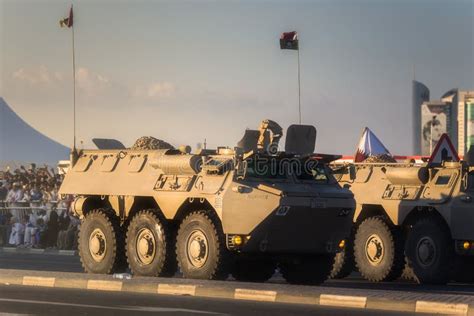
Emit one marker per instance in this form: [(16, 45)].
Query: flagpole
[(299, 86), (74, 85)]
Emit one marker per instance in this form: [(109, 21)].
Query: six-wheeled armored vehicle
[(413, 216), (243, 210)]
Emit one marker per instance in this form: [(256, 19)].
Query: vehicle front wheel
[(378, 250), (100, 243), (429, 252), (201, 249)]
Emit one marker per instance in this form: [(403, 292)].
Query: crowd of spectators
[(31, 212)]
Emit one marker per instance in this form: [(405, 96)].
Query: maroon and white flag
[(289, 40), (369, 145), (67, 22)]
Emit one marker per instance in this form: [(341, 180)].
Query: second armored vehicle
[(241, 211), (414, 216)]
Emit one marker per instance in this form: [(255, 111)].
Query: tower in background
[(462, 110), (420, 94)]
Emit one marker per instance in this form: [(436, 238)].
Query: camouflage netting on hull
[(380, 158), (148, 142)]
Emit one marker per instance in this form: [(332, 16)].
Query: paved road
[(31, 300), (63, 263)]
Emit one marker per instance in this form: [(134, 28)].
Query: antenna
[(414, 72), (74, 84)]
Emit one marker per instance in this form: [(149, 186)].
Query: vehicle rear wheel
[(463, 269), (100, 243), (343, 262), (307, 270), (201, 249), (149, 247), (257, 269), (378, 250), (429, 252)]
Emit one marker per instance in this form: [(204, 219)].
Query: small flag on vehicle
[(67, 22), (369, 145), (289, 40)]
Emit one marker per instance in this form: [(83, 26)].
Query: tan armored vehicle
[(419, 214), (241, 211)]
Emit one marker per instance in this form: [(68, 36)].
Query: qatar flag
[(369, 145)]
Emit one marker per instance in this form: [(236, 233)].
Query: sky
[(185, 71)]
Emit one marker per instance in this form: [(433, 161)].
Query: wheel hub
[(374, 249), (426, 251), (97, 245), (146, 246), (197, 248)]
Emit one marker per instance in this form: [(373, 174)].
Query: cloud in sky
[(90, 82), (156, 90), (36, 75)]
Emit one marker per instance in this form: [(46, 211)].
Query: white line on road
[(38, 281), (343, 300), (103, 285), (129, 308), (255, 295), (441, 308), (176, 289)]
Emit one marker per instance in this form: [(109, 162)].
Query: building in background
[(453, 114), (462, 105), (420, 94), (435, 121)]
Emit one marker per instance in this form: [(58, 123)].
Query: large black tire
[(429, 251), (150, 246), (253, 269), (378, 250), (463, 269), (100, 243), (343, 262), (201, 248), (307, 270)]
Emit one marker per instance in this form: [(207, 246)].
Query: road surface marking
[(441, 308), (38, 281), (104, 285), (176, 289), (36, 250), (7, 249), (255, 295), (343, 300), (127, 308), (67, 252)]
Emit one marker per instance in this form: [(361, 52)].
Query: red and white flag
[(369, 145), (289, 40), (67, 22)]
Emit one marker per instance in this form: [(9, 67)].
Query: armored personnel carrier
[(415, 214), (241, 211)]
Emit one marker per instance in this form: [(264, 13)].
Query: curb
[(38, 251), (311, 295)]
